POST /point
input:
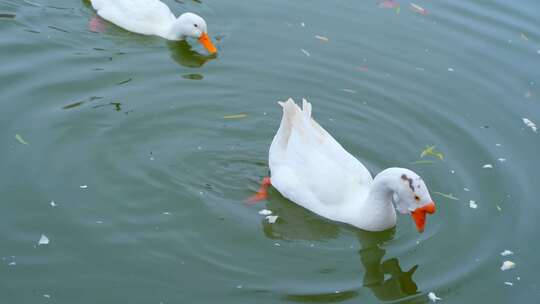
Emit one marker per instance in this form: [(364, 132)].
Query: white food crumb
[(305, 52), (509, 283), (265, 212), (507, 265), (450, 69), (277, 244), (473, 204), (433, 297), (272, 218), (529, 124), (83, 186), (506, 252), (499, 208), (166, 213), (466, 189), (43, 240), (487, 166), (47, 296), (53, 204), (502, 159)]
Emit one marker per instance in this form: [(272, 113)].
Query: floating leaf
[(417, 8), (448, 196), (21, 140), (529, 124), (321, 38), (235, 116), (430, 151)]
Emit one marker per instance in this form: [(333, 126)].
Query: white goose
[(309, 167), (153, 17)]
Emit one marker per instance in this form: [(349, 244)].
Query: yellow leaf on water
[(235, 116), (430, 151), (20, 139)]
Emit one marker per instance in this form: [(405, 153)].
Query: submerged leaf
[(235, 116)]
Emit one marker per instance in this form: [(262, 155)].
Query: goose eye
[(416, 197), (195, 25)]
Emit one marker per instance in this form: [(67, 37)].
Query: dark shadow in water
[(183, 54), (385, 278)]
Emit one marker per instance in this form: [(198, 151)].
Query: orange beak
[(207, 43), (419, 215)]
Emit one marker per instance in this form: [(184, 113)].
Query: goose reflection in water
[(385, 278), (183, 54)]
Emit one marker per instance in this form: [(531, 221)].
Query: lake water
[(148, 150)]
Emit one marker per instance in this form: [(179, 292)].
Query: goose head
[(411, 196), (193, 26)]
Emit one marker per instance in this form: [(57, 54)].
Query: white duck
[(309, 167), (153, 17)]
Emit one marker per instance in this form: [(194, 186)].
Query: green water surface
[(139, 144)]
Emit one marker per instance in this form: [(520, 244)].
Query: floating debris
[(348, 91), (48, 296), (506, 252), (124, 81), (466, 189), (302, 24), (305, 52), (322, 38), (193, 76), (58, 29), (524, 37), (7, 16), (499, 208), (43, 240), (272, 218), (509, 283), (487, 166), (277, 244), (501, 159), (166, 213), (235, 116), (450, 69), (418, 9), (529, 124), (21, 140), (12, 264), (473, 204), (83, 186), (506, 265), (430, 150), (448, 196), (53, 204), (265, 212), (433, 297)]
